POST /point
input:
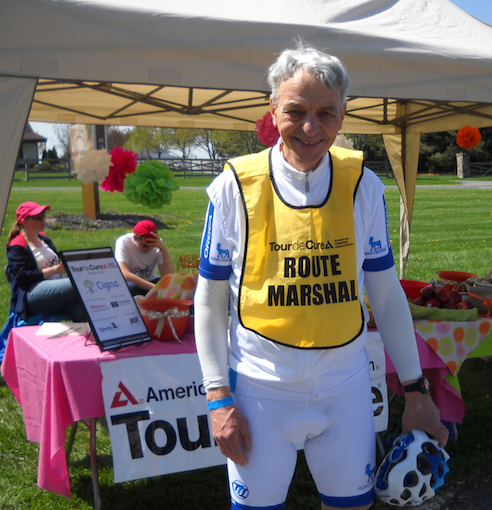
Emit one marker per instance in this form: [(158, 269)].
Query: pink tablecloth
[(58, 382), (445, 396)]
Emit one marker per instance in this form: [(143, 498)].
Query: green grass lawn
[(450, 230)]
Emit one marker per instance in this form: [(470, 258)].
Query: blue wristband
[(222, 402)]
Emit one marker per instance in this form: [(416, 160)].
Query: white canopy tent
[(416, 66)]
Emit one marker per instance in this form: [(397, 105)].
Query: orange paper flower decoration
[(468, 137), (267, 133)]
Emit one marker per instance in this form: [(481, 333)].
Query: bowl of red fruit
[(437, 302), (441, 297), (412, 288)]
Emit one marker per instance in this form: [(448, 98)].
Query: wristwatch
[(421, 385)]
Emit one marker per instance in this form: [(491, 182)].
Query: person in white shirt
[(140, 254), (292, 237)]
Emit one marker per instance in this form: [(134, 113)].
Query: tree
[(147, 140), (484, 150), (62, 133), (438, 153), (210, 140), (371, 145), (251, 142), (51, 155), (182, 139), (228, 144), (117, 137)]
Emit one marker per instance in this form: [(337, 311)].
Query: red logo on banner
[(118, 401)]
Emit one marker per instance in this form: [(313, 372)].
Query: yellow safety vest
[(299, 277)]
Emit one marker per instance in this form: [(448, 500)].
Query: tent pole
[(404, 226)]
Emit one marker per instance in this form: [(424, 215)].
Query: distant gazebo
[(32, 144)]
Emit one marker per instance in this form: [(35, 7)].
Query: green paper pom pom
[(150, 185)]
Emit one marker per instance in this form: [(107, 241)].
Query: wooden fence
[(381, 168), (55, 168), (482, 169), (194, 167), (32, 169), (43, 169)]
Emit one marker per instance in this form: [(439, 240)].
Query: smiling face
[(308, 116)]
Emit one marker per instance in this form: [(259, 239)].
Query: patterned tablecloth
[(453, 341), (443, 347)]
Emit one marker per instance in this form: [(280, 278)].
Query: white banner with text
[(157, 416), (158, 419)]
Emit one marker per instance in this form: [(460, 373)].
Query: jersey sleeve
[(377, 246), (215, 252)]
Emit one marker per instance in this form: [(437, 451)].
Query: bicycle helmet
[(412, 470)]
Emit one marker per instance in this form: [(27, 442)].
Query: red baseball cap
[(30, 209), (144, 228)]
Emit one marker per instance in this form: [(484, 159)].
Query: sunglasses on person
[(39, 217)]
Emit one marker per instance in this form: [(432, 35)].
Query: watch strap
[(422, 385)]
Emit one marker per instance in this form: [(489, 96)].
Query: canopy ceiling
[(415, 66), (148, 105)]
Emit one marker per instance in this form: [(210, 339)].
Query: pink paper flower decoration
[(123, 163), (267, 133)]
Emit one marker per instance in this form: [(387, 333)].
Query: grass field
[(450, 230)]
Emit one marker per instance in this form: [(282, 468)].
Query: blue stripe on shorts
[(238, 506), (363, 499)]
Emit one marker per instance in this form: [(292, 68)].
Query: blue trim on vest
[(379, 264), (363, 499), (238, 506)]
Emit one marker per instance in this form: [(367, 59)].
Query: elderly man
[(140, 254), (297, 223)]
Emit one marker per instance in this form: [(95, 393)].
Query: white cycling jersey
[(304, 372)]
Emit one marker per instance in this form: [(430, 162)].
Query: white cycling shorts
[(338, 437)]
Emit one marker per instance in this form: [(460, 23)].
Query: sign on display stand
[(113, 315)]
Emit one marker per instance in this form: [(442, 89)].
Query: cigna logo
[(89, 284)]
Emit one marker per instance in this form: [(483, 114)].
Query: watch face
[(425, 384)]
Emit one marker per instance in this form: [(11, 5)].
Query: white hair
[(323, 66)]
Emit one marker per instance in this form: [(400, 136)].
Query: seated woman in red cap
[(35, 272), (140, 254)]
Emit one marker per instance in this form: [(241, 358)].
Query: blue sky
[(481, 9)]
